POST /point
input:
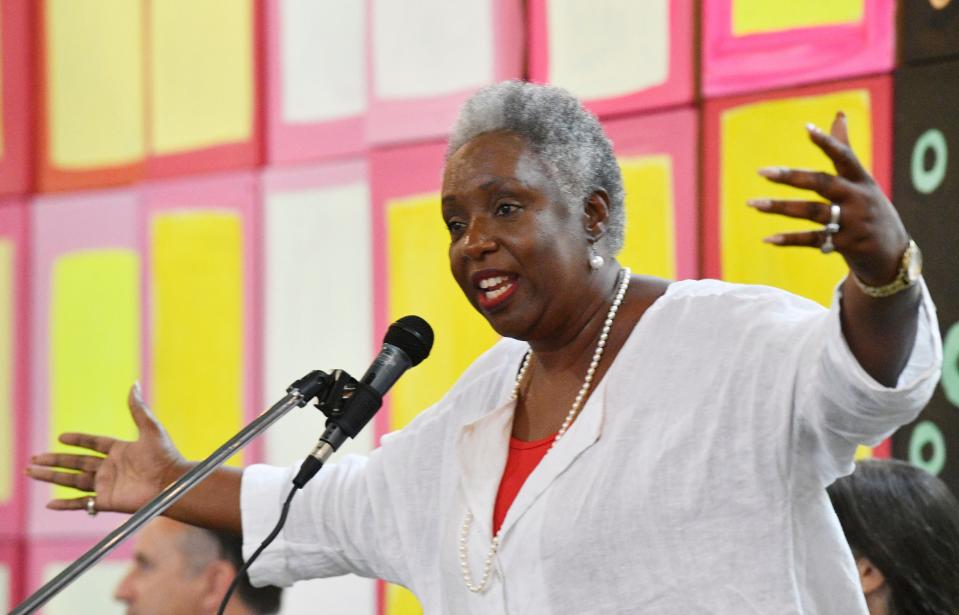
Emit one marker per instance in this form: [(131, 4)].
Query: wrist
[(907, 274), (174, 471)]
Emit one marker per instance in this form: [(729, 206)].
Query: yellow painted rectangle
[(420, 283), (201, 63), (401, 601), (757, 16), (198, 317), (6, 371), (650, 246), (772, 133), (94, 71), (94, 354)]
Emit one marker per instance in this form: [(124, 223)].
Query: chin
[(512, 325)]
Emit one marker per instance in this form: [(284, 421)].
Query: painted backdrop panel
[(751, 45), (316, 79), (203, 86), (746, 133), (13, 367), (926, 192), (93, 591), (928, 30), (201, 309), (16, 112), (318, 314), (658, 157), (11, 573), (595, 53), (427, 57), (85, 333), (317, 290), (91, 102)]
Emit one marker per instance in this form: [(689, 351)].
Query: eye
[(507, 209), (455, 226)]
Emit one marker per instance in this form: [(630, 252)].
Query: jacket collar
[(483, 446)]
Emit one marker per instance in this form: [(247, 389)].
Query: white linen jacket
[(693, 481)]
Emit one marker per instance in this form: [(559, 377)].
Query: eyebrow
[(503, 183), (499, 182)]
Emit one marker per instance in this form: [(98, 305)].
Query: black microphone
[(407, 342)]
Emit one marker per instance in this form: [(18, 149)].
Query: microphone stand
[(299, 394)]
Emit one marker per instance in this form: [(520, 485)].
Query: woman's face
[(516, 250)]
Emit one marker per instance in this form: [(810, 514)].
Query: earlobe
[(596, 214), (219, 577)]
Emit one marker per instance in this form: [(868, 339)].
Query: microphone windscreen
[(412, 335)]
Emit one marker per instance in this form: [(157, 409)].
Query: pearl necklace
[(570, 416)]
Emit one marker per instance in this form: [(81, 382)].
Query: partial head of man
[(180, 569)]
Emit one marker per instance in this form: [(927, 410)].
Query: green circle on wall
[(926, 180), (927, 433), (950, 365)]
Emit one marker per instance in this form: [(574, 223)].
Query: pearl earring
[(595, 260)]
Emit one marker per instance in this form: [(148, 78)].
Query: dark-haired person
[(631, 445), (902, 524), (180, 569)]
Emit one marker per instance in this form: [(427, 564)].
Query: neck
[(878, 601), (576, 342), (235, 607)]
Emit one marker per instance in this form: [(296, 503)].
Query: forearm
[(880, 332), (213, 503)]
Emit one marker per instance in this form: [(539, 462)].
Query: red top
[(523, 458)]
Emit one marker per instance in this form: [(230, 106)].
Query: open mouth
[(495, 288)]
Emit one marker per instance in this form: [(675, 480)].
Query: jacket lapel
[(481, 454), (484, 444), (583, 433)]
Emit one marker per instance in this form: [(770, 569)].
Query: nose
[(124, 591), (478, 241)]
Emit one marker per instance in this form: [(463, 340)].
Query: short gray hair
[(567, 138), (201, 547)]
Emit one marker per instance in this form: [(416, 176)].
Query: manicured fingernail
[(762, 204), (774, 239), (813, 128), (771, 172)]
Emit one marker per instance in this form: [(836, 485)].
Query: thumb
[(142, 415)]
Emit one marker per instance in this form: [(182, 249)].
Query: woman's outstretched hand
[(870, 234), (121, 476), (861, 224)]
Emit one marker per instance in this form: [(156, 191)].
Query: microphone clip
[(338, 390), (348, 403)]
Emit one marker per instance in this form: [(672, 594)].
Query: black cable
[(263, 545)]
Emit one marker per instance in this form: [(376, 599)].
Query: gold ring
[(91, 506)]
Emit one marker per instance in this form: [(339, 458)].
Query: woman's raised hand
[(870, 234), (861, 224), (121, 476)]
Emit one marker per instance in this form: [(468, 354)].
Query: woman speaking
[(631, 445)]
